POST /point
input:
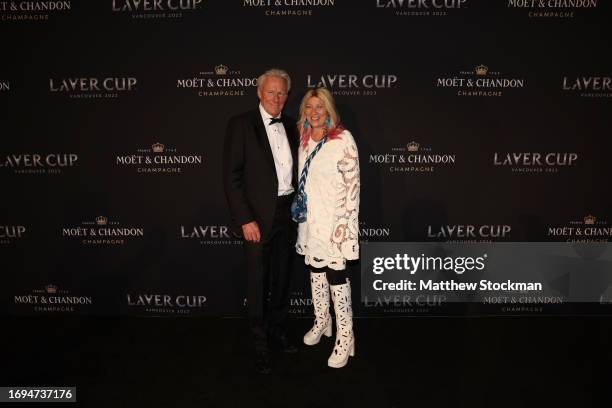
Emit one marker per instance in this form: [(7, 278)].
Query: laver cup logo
[(468, 232), (11, 233), (102, 231), (52, 298), (156, 303), (159, 159), (353, 84), (279, 8), (31, 11), (38, 163), (479, 82), (221, 81), (92, 87), (535, 162), (553, 8), (209, 234), (588, 86), (156, 9), (422, 8)]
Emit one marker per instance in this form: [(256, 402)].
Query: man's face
[(273, 95)]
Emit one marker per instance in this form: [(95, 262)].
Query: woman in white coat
[(328, 237)]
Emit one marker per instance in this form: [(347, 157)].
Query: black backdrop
[(450, 102)]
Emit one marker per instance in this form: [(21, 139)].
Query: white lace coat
[(329, 236)]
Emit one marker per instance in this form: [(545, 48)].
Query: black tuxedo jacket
[(249, 175)]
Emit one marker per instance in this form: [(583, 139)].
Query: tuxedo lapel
[(262, 138), (294, 143), (291, 136)]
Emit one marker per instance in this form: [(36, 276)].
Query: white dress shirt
[(281, 151)]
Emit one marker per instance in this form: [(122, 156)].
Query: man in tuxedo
[(260, 178)]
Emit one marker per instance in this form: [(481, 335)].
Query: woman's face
[(315, 112)]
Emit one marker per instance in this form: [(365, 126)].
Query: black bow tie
[(275, 120)]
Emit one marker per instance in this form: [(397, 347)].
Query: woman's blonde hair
[(334, 127)]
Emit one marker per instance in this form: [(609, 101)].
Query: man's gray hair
[(274, 72)]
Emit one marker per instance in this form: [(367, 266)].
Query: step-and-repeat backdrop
[(476, 120)]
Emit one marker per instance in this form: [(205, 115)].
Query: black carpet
[(400, 362)]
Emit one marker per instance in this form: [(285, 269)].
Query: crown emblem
[(158, 148), (589, 220), (481, 70), (101, 220), (221, 69), (51, 289), (412, 147)]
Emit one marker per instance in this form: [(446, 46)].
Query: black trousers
[(269, 270)]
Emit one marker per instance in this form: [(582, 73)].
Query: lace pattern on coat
[(330, 236), (345, 236)]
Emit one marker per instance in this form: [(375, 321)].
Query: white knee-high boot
[(345, 338), (320, 302)]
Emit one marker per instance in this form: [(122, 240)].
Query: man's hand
[(251, 232)]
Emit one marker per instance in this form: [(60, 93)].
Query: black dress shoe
[(282, 343), (262, 362)]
